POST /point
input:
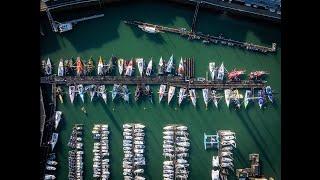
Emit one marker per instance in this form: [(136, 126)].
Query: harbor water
[(257, 131)]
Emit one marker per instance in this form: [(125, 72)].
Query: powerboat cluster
[(101, 152), (175, 151), (50, 167), (133, 148), (76, 153)]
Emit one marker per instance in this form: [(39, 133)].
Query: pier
[(169, 80), (206, 38)]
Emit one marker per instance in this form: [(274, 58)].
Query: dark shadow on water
[(111, 117), (258, 140)]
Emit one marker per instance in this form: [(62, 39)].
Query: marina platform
[(169, 80)]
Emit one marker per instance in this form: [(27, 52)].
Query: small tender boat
[(215, 174), (72, 91), (60, 68), (193, 97), (221, 72), (115, 91), (48, 68), (120, 65), (212, 69), (247, 98), (170, 65), (227, 93), (125, 93), (79, 67), (50, 168), (261, 100), (102, 92), (181, 68), (149, 29), (52, 163), (100, 67), (205, 94), (54, 140), (81, 92), (49, 177), (140, 64), (57, 119), (235, 74), (215, 161), (129, 68), (162, 91), (268, 92), (171, 93), (161, 66), (182, 95), (149, 68), (257, 74)]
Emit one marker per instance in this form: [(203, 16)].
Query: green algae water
[(258, 131)]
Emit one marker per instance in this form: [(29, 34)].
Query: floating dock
[(206, 38), (169, 80)]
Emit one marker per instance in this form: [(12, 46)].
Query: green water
[(258, 131)]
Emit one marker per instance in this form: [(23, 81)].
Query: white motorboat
[(227, 165), (183, 144), (129, 68), (168, 133), (221, 71), (52, 163), (61, 68), (120, 65), (49, 177), (81, 92), (228, 138), (125, 93), (168, 163), (227, 133), (226, 160), (48, 67), (215, 98), (102, 92), (168, 128), (170, 65), (212, 70), (171, 93), (226, 153), (205, 93), (139, 126), (193, 97), (140, 64), (215, 174), (149, 29), (168, 137), (227, 93), (50, 168), (54, 140), (229, 143), (182, 95), (182, 161), (162, 91), (149, 68), (182, 128), (57, 119), (72, 92), (100, 67), (138, 171), (181, 68), (127, 126), (215, 161)]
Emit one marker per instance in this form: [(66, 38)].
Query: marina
[(257, 130)]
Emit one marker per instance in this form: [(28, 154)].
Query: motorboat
[(57, 119), (169, 155), (215, 161), (168, 128), (81, 92), (50, 168), (49, 177), (127, 126), (168, 163), (43, 67), (268, 92), (120, 65), (79, 67), (182, 155), (212, 70), (257, 75), (182, 161), (48, 67), (227, 93), (168, 133), (221, 71), (149, 68), (137, 93), (179, 138), (138, 171), (183, 144), (149, 29), (168, 137), (182, 95), (182, 128), (215, 174), (227, 165), (129, 68), (228, 143), (215, 98), (169, 65), (228, 138), (139, 126), (193, 97), (89, 66), (261, 98), (171, 93), (181, 149), (181, 68), (161, 66), (102, 92), (140, 64), (236, 96), (61, 68), (235, 74), (52, 163), (226, 160), (248, 96), (205, 93), (227, 148), (115, 91), (100, 67), (182, 133), (162, 91), (54, 140)]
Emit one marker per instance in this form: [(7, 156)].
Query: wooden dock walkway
[(207, 38), (169, 80)]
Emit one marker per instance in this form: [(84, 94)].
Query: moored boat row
[(76, 153)]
